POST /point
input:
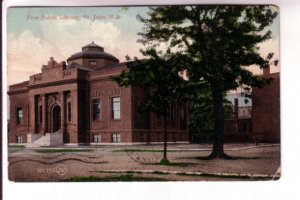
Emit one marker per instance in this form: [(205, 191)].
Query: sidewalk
[(187, 162)]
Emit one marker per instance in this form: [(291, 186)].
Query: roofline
[(111, 57), (24, 83)]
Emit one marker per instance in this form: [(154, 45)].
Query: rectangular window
[(19, 115), (97, 138), (69, 111), (19, 139), (116, 138), (41, 114), (96, 110), (93, 62), (116, 108)]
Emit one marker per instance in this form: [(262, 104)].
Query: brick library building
[(78, 103)]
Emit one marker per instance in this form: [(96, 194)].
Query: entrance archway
[(55, 118)]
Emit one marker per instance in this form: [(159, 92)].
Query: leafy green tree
[(218, 43), (201, 111), (158, 75)]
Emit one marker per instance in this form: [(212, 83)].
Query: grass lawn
[(123, 178), (142, 150), (242, 177), (16, 146), (174, 164), (130, 172), (203, 175), (62, 150)]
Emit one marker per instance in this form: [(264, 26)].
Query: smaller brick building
[(266, 110), (261, 121), (79, 101), (239, 127)]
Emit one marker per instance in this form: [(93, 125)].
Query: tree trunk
[(149, 126), (165, 116), (218, 139)]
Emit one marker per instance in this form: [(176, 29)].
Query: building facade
[(266, 110), (238, 128), (79, 101), (261, 121)]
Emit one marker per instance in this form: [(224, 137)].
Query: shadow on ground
[(227, 158), (175, 164)]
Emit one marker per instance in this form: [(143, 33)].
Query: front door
[(56, 118)]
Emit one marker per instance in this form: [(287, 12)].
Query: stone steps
[(49, 139)]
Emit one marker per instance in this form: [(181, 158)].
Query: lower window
[(97, 138), (19, 139), (116, 137)]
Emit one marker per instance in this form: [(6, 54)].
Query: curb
[(275, 176)]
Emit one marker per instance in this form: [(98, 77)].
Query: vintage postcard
[(143, 93)]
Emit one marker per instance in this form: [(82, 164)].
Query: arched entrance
[(55, 118)]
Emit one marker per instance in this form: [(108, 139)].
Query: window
[(96, 110), (41, 114), (97, 138), (116, 108), (69, 111), (19, 115), (19, 139), (116, 138), (93, 62)]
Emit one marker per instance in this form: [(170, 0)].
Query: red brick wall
[(266, 111), (18, 100), (82, 87), (240, 126), (140, 120), (105, 90), (158, 136)]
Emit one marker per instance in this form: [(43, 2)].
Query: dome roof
[(92, 50), (92, 46)]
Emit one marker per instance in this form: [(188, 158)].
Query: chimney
[(51, 62), (236, 108), (266, 71)]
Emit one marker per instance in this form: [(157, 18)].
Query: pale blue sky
[(31, 42), (17, 17)]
